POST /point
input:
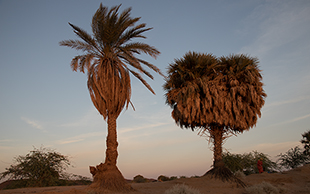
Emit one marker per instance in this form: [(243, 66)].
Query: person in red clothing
[(260, 165)]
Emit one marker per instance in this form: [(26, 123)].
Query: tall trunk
[(217, 135), (107, 176), (111, 152)]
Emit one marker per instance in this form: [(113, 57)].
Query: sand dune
[(296, 181)]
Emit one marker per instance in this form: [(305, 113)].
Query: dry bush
[(264, 188), (240, 175), (181, 189), (139, 179), (163, 178)]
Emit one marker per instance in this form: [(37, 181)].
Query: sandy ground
[(296, 181)]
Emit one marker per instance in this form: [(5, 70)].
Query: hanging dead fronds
[(110, 56), (205, 91)]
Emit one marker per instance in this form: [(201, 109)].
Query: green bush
[(139, 179), (247, 162), (293, 158), (181, 189), (40, 168), (306, 142)]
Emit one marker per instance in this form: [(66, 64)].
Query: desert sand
[(296, 181)]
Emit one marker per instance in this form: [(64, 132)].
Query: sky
[(44, 103)]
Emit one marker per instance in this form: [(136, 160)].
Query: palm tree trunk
[(219, 170), (217, 135), (107, 176), (111, 152)]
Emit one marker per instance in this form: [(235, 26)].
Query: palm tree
[(109, 56), (217, 96)]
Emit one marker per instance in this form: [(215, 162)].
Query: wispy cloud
[(143, 127), (6, 140), (90, 118), (5, 147), (80, 137), (298, 118), (33, 123), (69, 141), (291, 120), (278, 24), (290, 101)]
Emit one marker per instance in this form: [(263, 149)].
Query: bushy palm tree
[(216, 96), (110, 56)]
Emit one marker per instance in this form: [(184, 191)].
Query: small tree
[(293, 158), (41, 167), (306, 142)]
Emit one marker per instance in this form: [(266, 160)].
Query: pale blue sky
[(42, 102)]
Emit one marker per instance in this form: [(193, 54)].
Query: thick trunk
[(217, 135), (107, 176), (219, 170), (111, 152)]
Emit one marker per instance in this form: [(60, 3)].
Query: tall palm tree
[(109, 56), (217, 96)]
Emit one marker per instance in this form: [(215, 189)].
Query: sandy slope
[(294, 181)]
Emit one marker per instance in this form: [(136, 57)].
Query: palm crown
[(110, 56), (206, 91)]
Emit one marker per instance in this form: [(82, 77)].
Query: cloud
[(291, 120), (6, 140), (291, 101), (278, 24), (80, 137), (298, 118), (33, 123), (90, 118), (143, 127)]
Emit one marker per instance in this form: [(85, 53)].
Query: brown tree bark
[(107, 176), (219, 170), (217, 135), (111, 142)]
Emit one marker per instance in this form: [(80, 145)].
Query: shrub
[(41, 167), (293, 158), (181, 189), (247, 162), (195, 176), (163, 178), (139, 179), (264, 188), (306, 142)]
